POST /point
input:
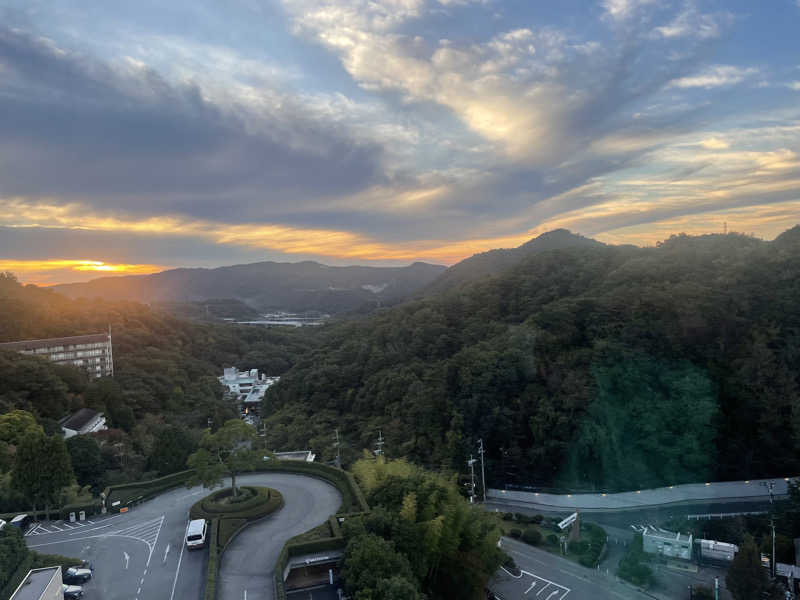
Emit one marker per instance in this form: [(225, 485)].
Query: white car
[(72, 592)]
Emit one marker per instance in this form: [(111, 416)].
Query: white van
[(196, 534)]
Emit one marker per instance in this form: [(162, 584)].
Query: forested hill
[(164, 367), (496, 262), (594, 367), (294, 287)]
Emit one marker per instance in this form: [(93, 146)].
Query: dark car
[(77, 576)]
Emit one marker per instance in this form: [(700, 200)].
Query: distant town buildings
[(248, 387), (92, 353), (667, 543), (84, 421)]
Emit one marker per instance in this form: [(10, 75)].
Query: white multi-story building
[(248, 387), (91, 353)]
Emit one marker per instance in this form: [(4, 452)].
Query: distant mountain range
[(302, 286)]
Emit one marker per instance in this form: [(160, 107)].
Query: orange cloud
[(48, 272)]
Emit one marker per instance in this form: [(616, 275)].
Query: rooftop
[(663, 534), (79, 419), (50, 342), (35, 583)]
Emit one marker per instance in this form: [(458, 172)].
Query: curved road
[(140, 555), (246, 571)]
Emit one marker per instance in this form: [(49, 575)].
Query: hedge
[(91, 508), (266, 501), (126, 493), (213, 563), (228, 528)]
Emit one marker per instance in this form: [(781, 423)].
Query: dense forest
[(164, 390), (592, 367)]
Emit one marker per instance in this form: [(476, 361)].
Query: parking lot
[(508, 586)]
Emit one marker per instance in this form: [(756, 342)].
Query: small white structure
[(40, 584), (667, 543), (717, 551), (299, 455), (84, 421)]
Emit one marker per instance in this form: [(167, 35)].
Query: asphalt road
[(140, 555), (246, 572), (545, 576)]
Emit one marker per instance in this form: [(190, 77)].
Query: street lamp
[(770, 485)]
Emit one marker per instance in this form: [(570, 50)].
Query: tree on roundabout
[(229, 451)]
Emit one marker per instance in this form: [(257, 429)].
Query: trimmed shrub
[(532, 536), (264, 502), (578, 547), (515, 533), (552, 539), (353, 499), (508, 516)]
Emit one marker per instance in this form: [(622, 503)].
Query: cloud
[(123, 135), (794, 85), (623, 9), (691, 23), (716, 76)]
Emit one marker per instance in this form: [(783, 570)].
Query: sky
[(139, 136)]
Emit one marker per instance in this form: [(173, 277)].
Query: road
[(247, 570), (692, 493), (545, 576), (140, 555)]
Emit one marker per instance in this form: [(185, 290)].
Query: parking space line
[(533, 585), (547, 585)]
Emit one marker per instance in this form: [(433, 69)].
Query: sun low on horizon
[(384, 132)]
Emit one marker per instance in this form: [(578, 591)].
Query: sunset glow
[(383, 132)]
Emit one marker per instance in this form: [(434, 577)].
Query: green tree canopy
[(746, 578), (42, 469), (226, 452), (86, 460), (171, 449)]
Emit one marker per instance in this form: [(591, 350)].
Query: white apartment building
[(92, 353)]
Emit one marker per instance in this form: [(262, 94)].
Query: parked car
[(196, 534), (22, 521), (77, 575), (72, 592)]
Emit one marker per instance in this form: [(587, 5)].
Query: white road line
[(178, 569), (90, 522), (547, 585), (533, 585), (139, 591), (552, 594), (56, 528), (127, 558), (153, 547), (166, 551)]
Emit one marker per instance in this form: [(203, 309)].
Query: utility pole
[(770, 485), (338, 451), (379, 444), (471, 465), (483, 473)]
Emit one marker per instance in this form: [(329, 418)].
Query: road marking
[(141, 581), (554, 593), (547, 585), (178, 569), (139, 591), (56, 528), (533, 585), (245, 595), (166, 551), (127, 558)]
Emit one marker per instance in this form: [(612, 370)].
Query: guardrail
[(748, 490)]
